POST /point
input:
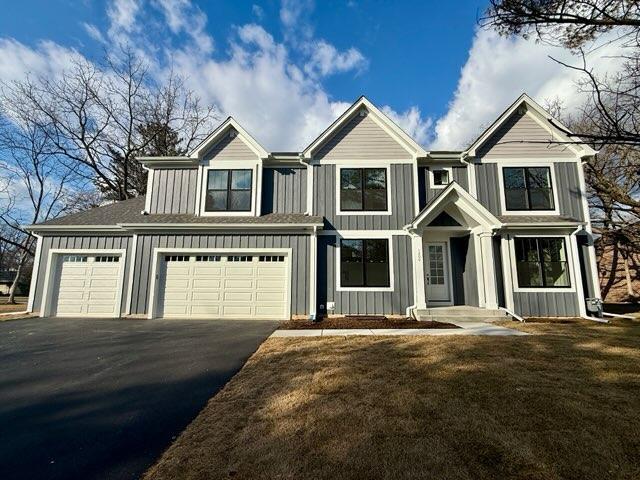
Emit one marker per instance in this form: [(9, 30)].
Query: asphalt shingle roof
[(129, 211)]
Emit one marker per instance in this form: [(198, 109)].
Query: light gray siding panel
[(521, 136), (229, 148), (546, 304), (402, 204), (361, 138), (568, 188), (488, 186), (174, 190), (299, 245), (284, 190), (83, 242), (365, 303)]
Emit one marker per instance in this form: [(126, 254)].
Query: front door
[(437, 272)]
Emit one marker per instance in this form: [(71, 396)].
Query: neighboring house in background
[(6, 280), (363, 221)]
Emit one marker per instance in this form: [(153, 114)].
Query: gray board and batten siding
[(426, 193), (300, 251), (174, 190), (567, 188), (402, 201), (80, 242), (284, 190), (362, 302)]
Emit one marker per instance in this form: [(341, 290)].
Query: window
[(542, 262), (271, 258), (108, 258), (208, 258), (364, 263), (74, 258), (229, 191), (441, 178), (363, 189), (528, 188), (176, 258), (239, 258)]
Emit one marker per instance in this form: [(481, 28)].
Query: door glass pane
[(436, 265), (241, 180), (218, 179)]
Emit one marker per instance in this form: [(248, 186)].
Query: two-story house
[(363, 221)]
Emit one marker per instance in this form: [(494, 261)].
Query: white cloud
[(497, 71), (184, 17), (94, 32), (122, 16), (326, 60), (47, 58), (258, 11)]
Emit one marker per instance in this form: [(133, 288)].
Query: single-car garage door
[(236, 285), (88, 285)]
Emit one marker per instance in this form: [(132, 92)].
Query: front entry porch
[(455, 264)]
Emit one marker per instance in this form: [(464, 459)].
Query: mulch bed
[(361, 322)]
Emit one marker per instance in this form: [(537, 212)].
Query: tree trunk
[(14, 285), (627, 274)]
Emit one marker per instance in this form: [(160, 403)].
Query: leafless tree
[(97, 116)]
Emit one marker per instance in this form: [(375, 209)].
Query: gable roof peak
[(220, 130)]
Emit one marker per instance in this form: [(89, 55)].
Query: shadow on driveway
[(98, 399)]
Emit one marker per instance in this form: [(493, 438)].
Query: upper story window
[(542, 262), (528, 188), (229, 191), (363, 189), (440, 177)]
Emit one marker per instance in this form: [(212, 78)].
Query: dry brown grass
[(19, 306), (563, 404), (361, 322)]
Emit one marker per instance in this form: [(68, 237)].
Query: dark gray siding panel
[(568, 188), (299, 245), (84, 242), (284, 190), (497, 260), (546, 304), (459, 174), (488, 186), (470, 277), (585, 242), (402, 203), (365, 303), (174, 190)]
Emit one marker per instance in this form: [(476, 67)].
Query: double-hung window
[(229, 191), (363, 189), (364, 263), (542, 262), (528, 188)]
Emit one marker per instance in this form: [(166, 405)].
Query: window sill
[(364, 289), (544, 290)]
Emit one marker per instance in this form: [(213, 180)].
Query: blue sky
[(286, 68)]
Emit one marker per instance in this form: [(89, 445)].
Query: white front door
[(436, 271)]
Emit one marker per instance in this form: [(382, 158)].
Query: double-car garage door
[(237, 285), (234, 284)]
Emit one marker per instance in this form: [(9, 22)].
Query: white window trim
[(523, 164), (52, 271), (364, 236), (339, 167), (256, 180), (570, 262), (432, 184), (159, 252)]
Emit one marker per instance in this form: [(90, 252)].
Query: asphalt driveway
[(101, 399)]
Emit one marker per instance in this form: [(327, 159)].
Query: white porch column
[(488, 270), (418, 271)]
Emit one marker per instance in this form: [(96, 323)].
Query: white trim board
[(34, 273), (158, 251), (52, 271), (432, 184), (501, 192), (256, 187), (346, 166)]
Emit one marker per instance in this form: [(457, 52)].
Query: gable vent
[(363, 113), (233, 134)]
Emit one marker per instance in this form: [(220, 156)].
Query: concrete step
[(463, 312)]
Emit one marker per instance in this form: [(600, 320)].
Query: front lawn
[(564, 403)]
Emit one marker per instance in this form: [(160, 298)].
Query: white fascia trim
[(256, 187), (570, 256), (473, 207), (432, 184), (159, 251), (73, 228), (380, 118), (218, 226), (520, 226), (416, 188), (132, 268), (351, 236), (374, 161), (169, 162), (34, 273), (215, 136), (51, 271), (519, 164), (347, 165), (363, 233), (149, 192)]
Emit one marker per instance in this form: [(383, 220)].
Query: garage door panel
[(231, 286), (87, 285)]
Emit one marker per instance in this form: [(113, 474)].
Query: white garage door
[(88, 285), (224, 286)]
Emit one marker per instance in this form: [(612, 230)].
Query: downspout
[(304, 161), (576, 262), (411, 309)]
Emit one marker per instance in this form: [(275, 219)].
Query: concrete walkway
[(467, 327)]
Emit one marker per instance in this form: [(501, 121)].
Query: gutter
[(120, 227)]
